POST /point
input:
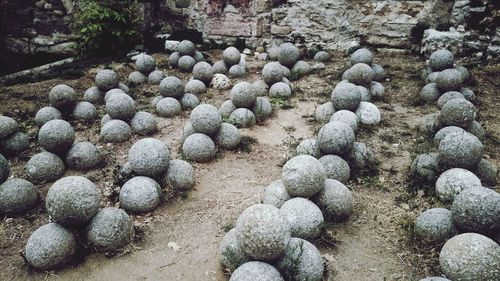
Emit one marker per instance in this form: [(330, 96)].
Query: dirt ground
[(179, 240)]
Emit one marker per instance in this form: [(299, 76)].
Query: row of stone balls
[(12, 140), (146, 71), (274, 52), (175, 96)]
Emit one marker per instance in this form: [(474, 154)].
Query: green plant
[(104, 28)]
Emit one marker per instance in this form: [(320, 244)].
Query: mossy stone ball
[(189, 101), (15, 143), (324, 112), (195, 87), (302, 261), (430, 93), (308, 147), (229, 253), (360, 74), (242, 118), (171, 86), (425, 167), (280, 90), (92, 95)]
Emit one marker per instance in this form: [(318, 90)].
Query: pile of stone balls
[(174, 96), (105, 80), (244, 108), (233, 63), (12, 140), (289, 56), (146, 71), (184, 56), (205, 131)]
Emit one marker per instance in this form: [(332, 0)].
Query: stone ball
[(112, 92), (92, 95), (487, 171), (56, 136), (346, 96), (45, 114), (274, 53), (126, 89), (308, 147), (85, 111), (83, 156), (242, 118), (231, 56), (272, 73), (322, 56), (155, 100), (318, 67), (260, 87), (111, 229), (435, 279), (229, 253), (189, 101), (336, 168), (429, 123), (303, 176), (275, 194), (477, 209), (168, 107), (50, 247), (379, 72), (262, 108), (220, 81), (425, 167), (186, 47), (120, 106), (4, 169), (444, 98), (470, 256), (335, 200), (15, 143), (256, 270), (145, 63), (227, 108), (115, 131), (199, 148), (458, 112), (441, 60), (198, 56), (377, 90), (430, 93), (365, 93), (302, 261), (220, 67), (443, 132), (140, 195), (464, 71), (477, 130), (362, 56), (346, 116), (335, 138), (187, 130), (155, 77), (17, 196), (172, 87), (180, 175), (186, 63), (106, 80), (195, 87), (203, 71), (228, 137), (72, 201), (368, 114), (453, 181), (280, 90), (149, 157), (136, 78), (324, 112), (262, 232), (62, 97), (449, 80), (174, 59), (360, 74), (289, 54), (206, 119), (45, 166), (301, 68), (432, 77), (434, 226), (237, 70), (361, 156), (304, 217), (144, 123), (243, 95), (460, 150)]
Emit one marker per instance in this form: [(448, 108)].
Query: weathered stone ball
[(432, 77), (168, 107), (318, 67), (112, 92), (174, 59), (262, 108), (470, 256), (377, 90), (465, 73), (435, 279), (206, 119), (379, 72), (458, 112), (449, 80), (453, 181), (468, 94), (155, 77), (260, 87), (15, 143), (335, 200), (237, 70), (274, 53), (45, 114), (304, 217), (199, 148), (361, 156), (203, 71), (322, 56), (56, 136), (143, 123), (180, 175), (126, 89), (308, 147), (460, 150), (120, 106), (187, 130), (336, 168), (155, 100), (186, 63), (171, 86), (242, 118), (429, 123), (324, 112), (477, 130), (256, 270), (149, 157), (17, 196), (136, 78), (189, 101), (360, 74), (477, 209), (231, 56), (195, 87), (346, 116), (220, 67), (186, 47), (4, 169), (302, 261), (362, 56), (444, 98), (49, 247), (272, 73), (425, 167), (106, 80), (62, 97), (335, 138), (85, 111), (115, 131), (262, 232), (443, 132), (72, 201), (368, 114), (275, 194), (434, 226), (303, 176), (83, 156), (145, 63), (45, 166), (111, 229), (301, 68), (430, 93), (228, 137), (289, 54), (92, 95), (220, 81), (280, 90), (346, 96), (441, 60), (198, 56), (140, 195), (227, 108), (8, 126), (487, 171), (243, 95), (229, 253)]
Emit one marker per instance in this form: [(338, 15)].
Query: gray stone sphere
[(203, 71), (186, 47), (477, 130), (85, 111), (189, 101), (187, 130), (430, 93), (429, 123), (120, 106), (256, 270), (468, 94), (155, 77), (301, 67), (83, 156), (229, 253), (72, 201), (322, 56), (460, 150), (470, 256), (303, 176), (105, 119), (136, 78), (360, 74), (272, 73), (199, 148), (260, 87), (289, 54), (206, 119), (275, 194), (444, 98), (111, 229), (220, 67), (435, 279), (126, 89), (362, 56), (45, 114), (17, 196), (368, 114), (458, 112), (441, 60), (336, 168), (140, 195), (149, 157), (106, 80), (92, 95), (4, 169), (45, 166), (377, 90), (221, 82), (262, 232), (172, 87), (144, 123), (227, 108), (324, 112), (346, 96), (432, 77), (242, 118), (477, 209), (318, 67), (8, 126), (174, 59), (186, 63), (62, 97), (335, 200), (112, 92), (243, 95), (155, 100), (180, 175), (464, 71), (195, 87), (425, 167), (280, 90), (434, 226), (49, 247), (449, 80), (443, 132), (308, 147), (274, 53), (346, 116), (15, 143), (231, 56), (304, 217), (453, 181), (168, 107), (487, 171), (56, 136), (336, 138), (237, 70), (262, 108), (302, 261), (228, 137), (198, 56), (379, 72), (145, 63), (361, 156), (115, 131)]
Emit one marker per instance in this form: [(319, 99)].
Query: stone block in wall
[(233, 27), (433, 40), (280, 30)]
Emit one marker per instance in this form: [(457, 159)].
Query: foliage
[(107, 27)]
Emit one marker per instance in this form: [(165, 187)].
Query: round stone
[(272, 73), (187, 130), (45, 166), (460, 150), (443, 132), (186, 47), (186, 63), (56, 136), (17, 196), (140, 195), (195, 87), (262, 108), (228, 137), (256, 270), (168, 107), (430, 93), (280, 90), (243, 95), (487, 171), (145, 63), (324, 112), (171, 86), (62, 97), (274, 53), (379, 72), (361, 156), (105, 119), (432, 77), (346, 96), (304, 217), (227, 108), (125, 89), (220, 67), (15, 143), (49, 247), (206, 119), (362, 56), (4, 169), (303, 176), (289, 54), (453, 181), (322, 56), (174, 59), (346, 116), (242, 118), (115, 131), (335, 138), (199, 148), (180, 175), (143, 123), (301, 68), (106, 80), (72, 201), (155, 100), (189, 101), (112, 92), (458, 112), (83, 156), (434, 226), (220, 81), (237, 70), (230, 254), (198, 56), (120, 106), (45, 114), (468, 94), (360, 74), (85, 111), (368, 113), (441, 60), (435, 279), (149, 157), (92, 95), (308, 147), (110, 230), (477, 130), (261, 88), (465, 73), (377, 90), (425, 167), (444, 98), (136, 78), (275, 194), (155, 77), (231, 56), (335, 200), (470, 256), (203, 71), (449, 80), (336, 168), (262, 232), (302, 261)]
